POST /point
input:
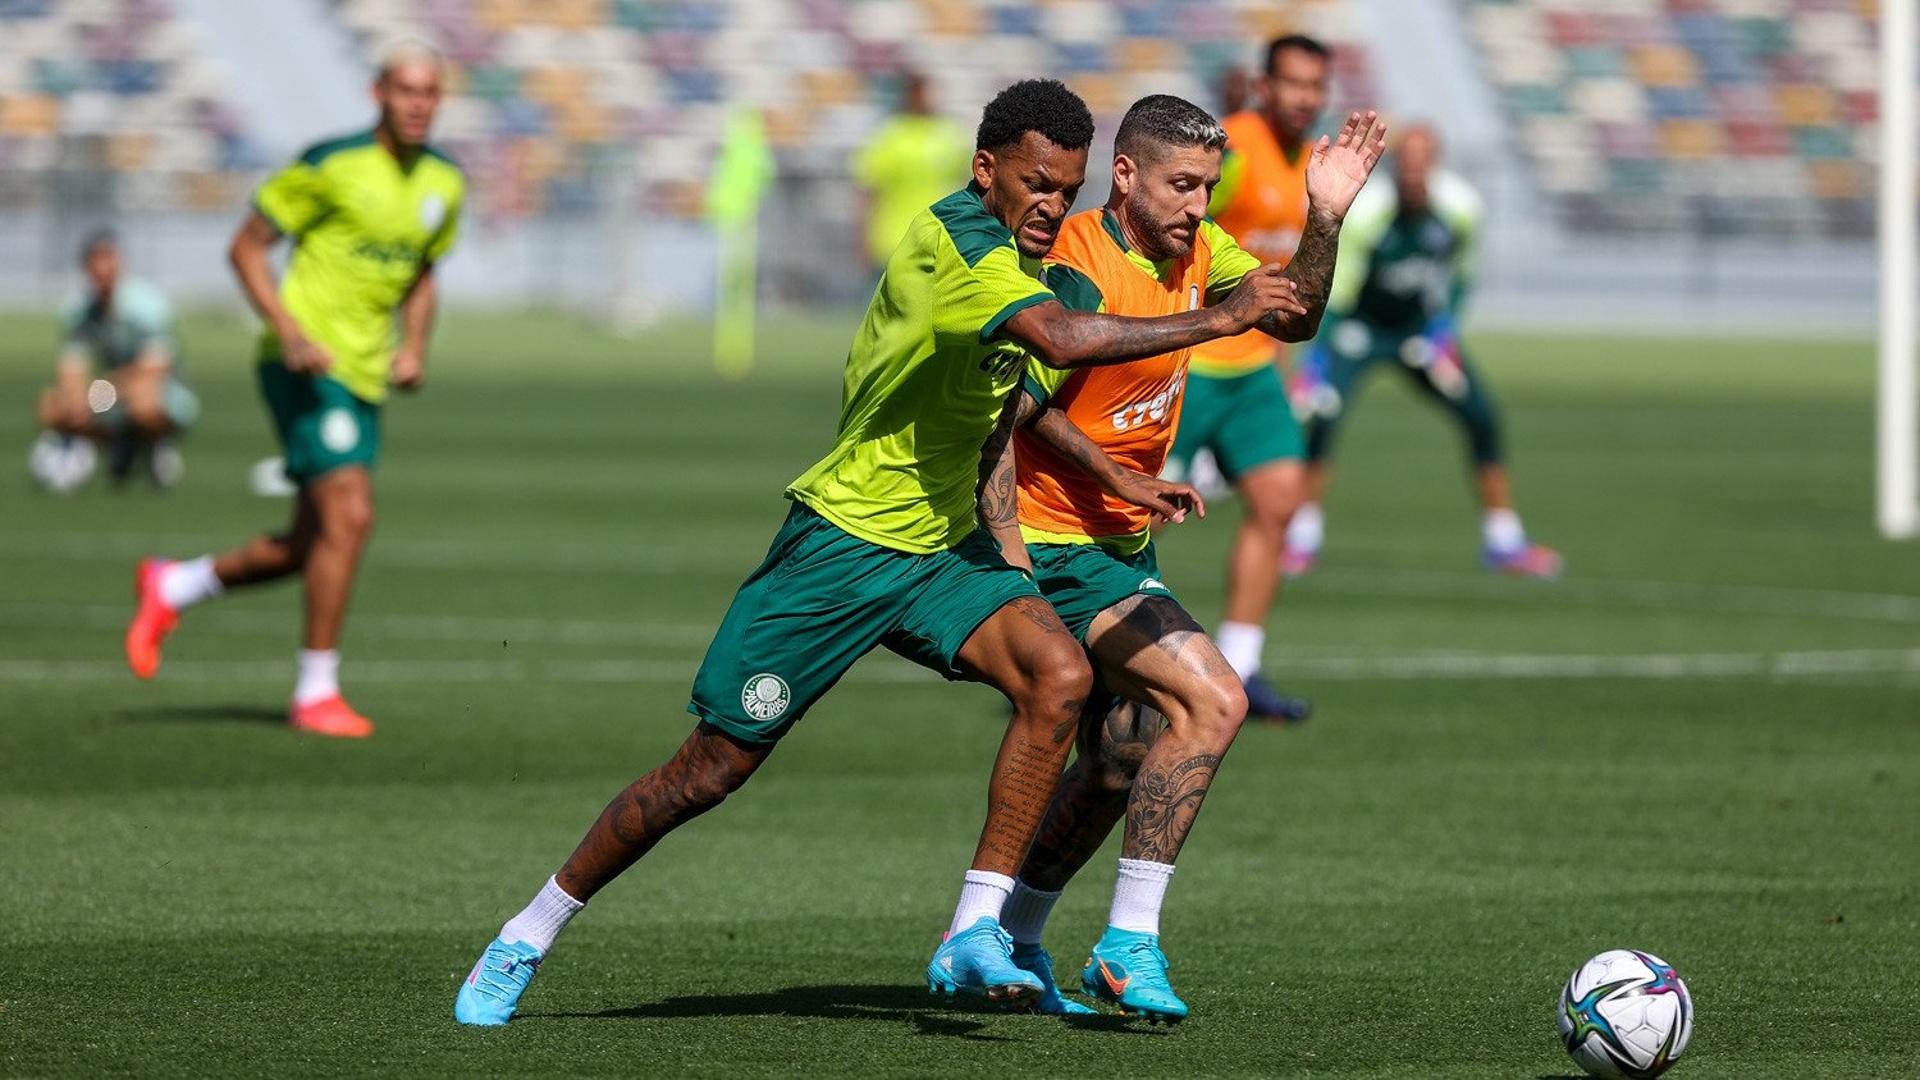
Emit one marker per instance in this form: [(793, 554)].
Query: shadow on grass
[(177, 714), (930, 1015)]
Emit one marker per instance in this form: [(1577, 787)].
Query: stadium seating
[(559, 105), (1715, 116), (111, 101)]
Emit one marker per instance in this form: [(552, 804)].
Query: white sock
[(984, 893), (1026, 911), (184, 584), (543, 919), (1308, 529), (1501, 530), (1241, 643), (1137, 894), (319, 676)]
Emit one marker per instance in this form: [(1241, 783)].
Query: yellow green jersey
[(364, 227), (910, 162), (925, 382)]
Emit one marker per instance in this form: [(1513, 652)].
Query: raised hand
[(1339, 166)]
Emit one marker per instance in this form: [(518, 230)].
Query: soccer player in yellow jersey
[(891, 542), (370, 215), (1236, 401), (914, 159), (1151, 250)]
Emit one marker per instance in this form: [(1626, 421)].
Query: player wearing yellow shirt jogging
[(891, 541), (369, 214)]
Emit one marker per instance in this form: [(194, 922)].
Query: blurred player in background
[(1406, 267), (891, 541), (914, 160), (118, 379), (1150, 251), (370, 215), (1236, 412)]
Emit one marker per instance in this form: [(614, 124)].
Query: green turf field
[(1704, 743)]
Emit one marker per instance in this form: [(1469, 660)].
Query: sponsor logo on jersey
[(1154, 410), (765, 696)]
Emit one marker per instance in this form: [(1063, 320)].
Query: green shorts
[(321, 424), (823, 599), (1083, 580), (1245, 420)]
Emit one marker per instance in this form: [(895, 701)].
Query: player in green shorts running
[(890, 542), (371, 214), (1406, 267)]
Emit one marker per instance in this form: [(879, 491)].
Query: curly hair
[(1042, 105), (1159, 122)]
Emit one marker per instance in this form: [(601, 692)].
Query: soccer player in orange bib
[(1236, 402), (1084, 467)]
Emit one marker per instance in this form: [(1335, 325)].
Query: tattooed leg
[(1025, 652), (1151, 650), (707, 768), (1092, 795)]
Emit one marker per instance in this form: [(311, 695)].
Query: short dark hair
[(97, 238), (1310, 46), (1159, 122), (1042, 105)]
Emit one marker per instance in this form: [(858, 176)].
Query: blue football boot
[(1035, 961), (492, 989), (1268, 704), (1128, 969), (979, 960)]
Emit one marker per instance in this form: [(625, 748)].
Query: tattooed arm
[(1063, 338), (1166, 500), (999, 495), (1337, 169)]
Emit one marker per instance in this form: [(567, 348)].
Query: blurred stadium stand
[(1628, 147)]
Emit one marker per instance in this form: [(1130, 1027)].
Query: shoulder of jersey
[(974, 232), (360, 140)]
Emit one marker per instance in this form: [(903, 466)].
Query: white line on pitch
[(1451, 667)]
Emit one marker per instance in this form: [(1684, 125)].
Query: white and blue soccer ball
[(1625, 1013), (61, 463)]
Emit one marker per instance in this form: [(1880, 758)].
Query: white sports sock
[(1241, 643), (1308, 529), (1026, 911), (1137, 894), (1501, 530), (984, 893), (543, 919), (184, 584), (319, 676)]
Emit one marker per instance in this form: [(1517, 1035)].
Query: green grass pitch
[(1705, 742)]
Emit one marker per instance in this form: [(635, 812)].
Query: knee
[(1214, 710), (350, 517), (1058, 680)]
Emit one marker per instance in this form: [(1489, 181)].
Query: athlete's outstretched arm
[(417, 310), (248, 253), (1166, 500), (999, 494), (1336, 171), (1063, 338)]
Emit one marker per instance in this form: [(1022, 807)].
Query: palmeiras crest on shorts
[(765, 696)]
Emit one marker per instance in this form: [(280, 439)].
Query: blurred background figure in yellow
[(914, 160), (117, 382)]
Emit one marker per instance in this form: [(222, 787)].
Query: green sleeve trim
[(975, 233), (1074, 289), (992, 328), (272, 218), (321, 151), (1032, 388)]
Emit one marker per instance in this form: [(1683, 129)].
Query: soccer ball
[(1625, 1013), (61, 463)]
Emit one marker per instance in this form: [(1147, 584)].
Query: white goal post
[(1897, 443)]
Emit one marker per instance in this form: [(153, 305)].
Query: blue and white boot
[(492, 989), (1036, 961), (979, 960)]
